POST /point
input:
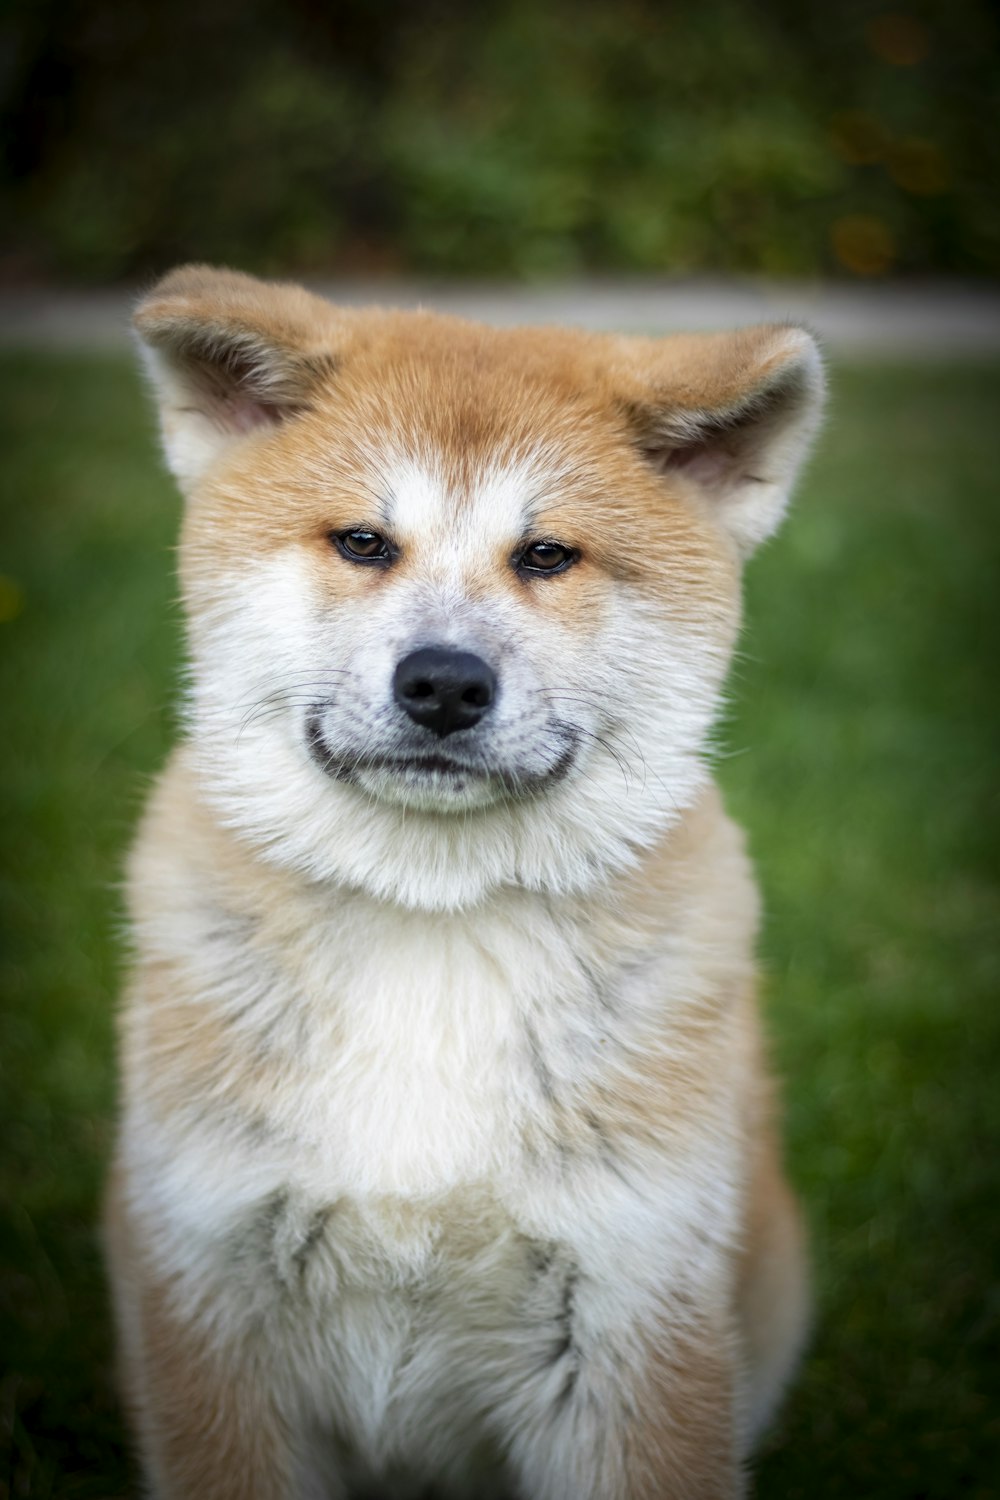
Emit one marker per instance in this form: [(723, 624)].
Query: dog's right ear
[(229, 355)]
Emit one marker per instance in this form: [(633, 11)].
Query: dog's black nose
[(444, 690)]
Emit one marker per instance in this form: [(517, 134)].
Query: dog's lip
[(346, 769), (342, 768), (438, 765)]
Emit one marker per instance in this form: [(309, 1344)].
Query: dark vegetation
[(509, 137)]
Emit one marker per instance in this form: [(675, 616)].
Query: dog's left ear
[(732, 414)]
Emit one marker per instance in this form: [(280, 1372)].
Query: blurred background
[(641, 165), (518, 138)]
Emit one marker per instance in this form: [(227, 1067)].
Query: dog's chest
[(408, 1055), (392, 1200)]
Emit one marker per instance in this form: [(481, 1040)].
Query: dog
[(447, 1159)]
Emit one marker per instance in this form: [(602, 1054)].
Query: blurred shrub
[(528, 137)]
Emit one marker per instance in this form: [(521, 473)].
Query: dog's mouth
[(351, 767), (445, 772)]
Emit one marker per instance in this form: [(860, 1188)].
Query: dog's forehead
[(493, 503), (469, 438)]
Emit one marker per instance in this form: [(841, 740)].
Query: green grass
[(864, 737)]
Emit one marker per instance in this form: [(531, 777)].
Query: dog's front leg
[(209, 1424), (206, 1401), (652, 1419)]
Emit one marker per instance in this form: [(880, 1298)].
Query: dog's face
[(461, 601)]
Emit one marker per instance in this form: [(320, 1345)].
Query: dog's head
[(461, 600)]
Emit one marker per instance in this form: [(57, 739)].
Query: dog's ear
[(227, 355), (732, 414)]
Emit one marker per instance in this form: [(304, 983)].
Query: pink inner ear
[(233, 391), (706, 463), (243, 414)]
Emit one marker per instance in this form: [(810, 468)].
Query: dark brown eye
[(362, 546), (545, 557)]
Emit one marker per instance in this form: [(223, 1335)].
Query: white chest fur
[(392, 1053), (371, 1052)]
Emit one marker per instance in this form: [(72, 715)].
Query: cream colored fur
[(446, 1152)]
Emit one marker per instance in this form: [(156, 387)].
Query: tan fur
[(207, 1422), (687, 1445), (441, 1181), (773, 1288)]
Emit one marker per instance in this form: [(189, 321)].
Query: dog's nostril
[(444, 690)]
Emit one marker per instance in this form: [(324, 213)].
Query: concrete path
[(871, 320)]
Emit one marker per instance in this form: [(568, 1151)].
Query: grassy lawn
[(861, 752)]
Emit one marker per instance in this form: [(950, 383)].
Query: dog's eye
[(545, 557), (362, 546)]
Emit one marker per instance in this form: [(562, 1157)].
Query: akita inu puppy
[(447, 1158)]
